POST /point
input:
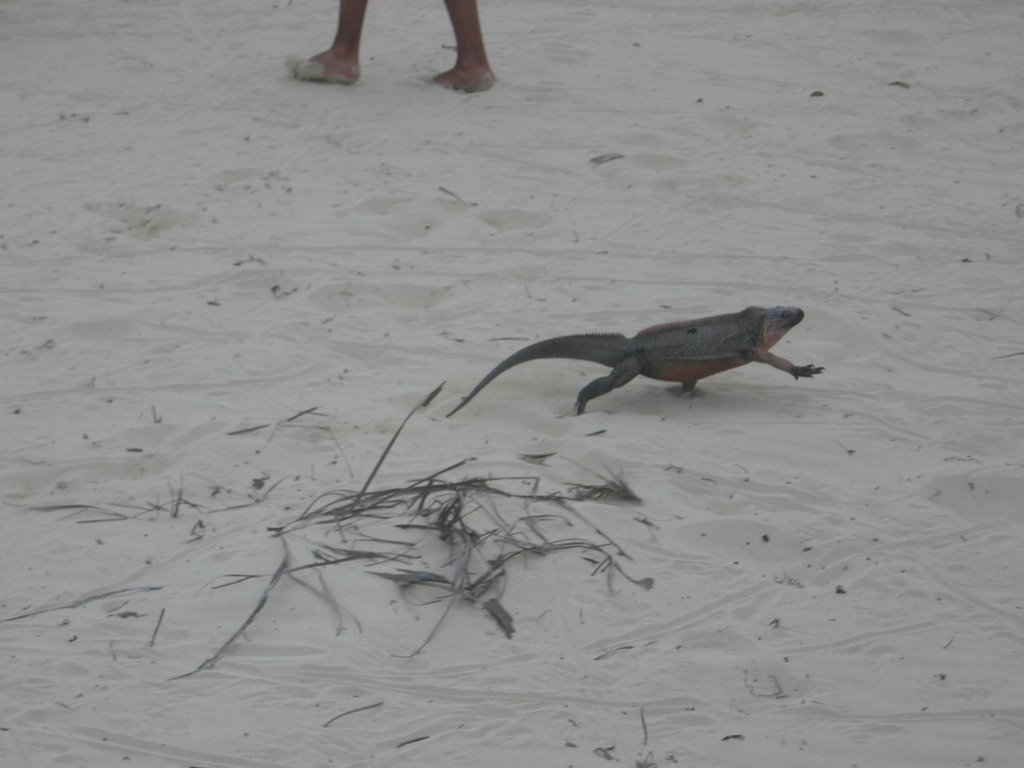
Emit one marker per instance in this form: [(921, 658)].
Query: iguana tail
[(603, 348)]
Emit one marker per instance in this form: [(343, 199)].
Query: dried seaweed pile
[(481, 523), (470, 529)]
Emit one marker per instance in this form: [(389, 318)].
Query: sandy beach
[(223, 290)]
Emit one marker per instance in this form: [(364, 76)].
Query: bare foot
[(331, 66), (467, 79)]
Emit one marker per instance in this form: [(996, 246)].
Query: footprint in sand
[(141, 221)]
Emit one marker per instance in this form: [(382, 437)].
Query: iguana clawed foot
[(806, 371)]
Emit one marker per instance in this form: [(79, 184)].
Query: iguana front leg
[(797, 371), (621, 374)]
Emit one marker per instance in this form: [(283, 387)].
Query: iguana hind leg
[(621, 374)]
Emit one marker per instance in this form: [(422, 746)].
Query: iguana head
[(776, 323)]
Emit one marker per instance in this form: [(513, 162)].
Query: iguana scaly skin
[(685, 351)]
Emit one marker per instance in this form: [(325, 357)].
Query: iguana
[(683, 351)]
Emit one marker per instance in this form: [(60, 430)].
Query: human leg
[(340, 62), (471, 72)]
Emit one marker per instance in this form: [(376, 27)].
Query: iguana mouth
[(778, 321)]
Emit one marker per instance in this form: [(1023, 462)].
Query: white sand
[(188, 234)]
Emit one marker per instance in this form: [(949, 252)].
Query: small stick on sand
[(177, 499), (501, 616), (159, 621), (353, 711), (391, 442), (413, 740), (247, 430), (599, 532), (300, 414), (208, 664), (82, 601)]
